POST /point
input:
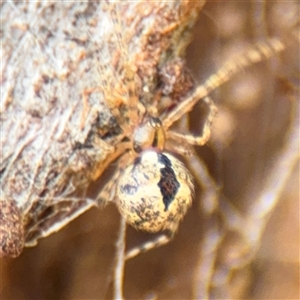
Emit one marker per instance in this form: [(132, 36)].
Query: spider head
[(150, 134)]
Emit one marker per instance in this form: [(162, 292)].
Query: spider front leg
[(113, 100), (118, 151), (204, 137), (85, 104)]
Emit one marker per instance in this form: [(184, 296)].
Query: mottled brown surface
[(11, 229), (252, 126)]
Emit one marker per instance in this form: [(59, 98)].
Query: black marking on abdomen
[(168, 183)]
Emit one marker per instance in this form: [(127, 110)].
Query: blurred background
[(257, 111)]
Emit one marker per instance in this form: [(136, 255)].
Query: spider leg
[(212, 236), (105, 77), (113, 100), (115, 95), (261, 51), (204, 137), (185, 150), (161, 240), (118, 151), (108, 191), (127, 71), (120, 261), (85, 102)]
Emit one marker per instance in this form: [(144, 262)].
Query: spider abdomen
[(155, 192)]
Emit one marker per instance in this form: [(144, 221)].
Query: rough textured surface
[(11, 229), (252, 127)]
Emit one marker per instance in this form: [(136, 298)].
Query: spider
[(151, 187)]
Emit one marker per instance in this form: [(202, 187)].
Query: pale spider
[(151, 187)]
